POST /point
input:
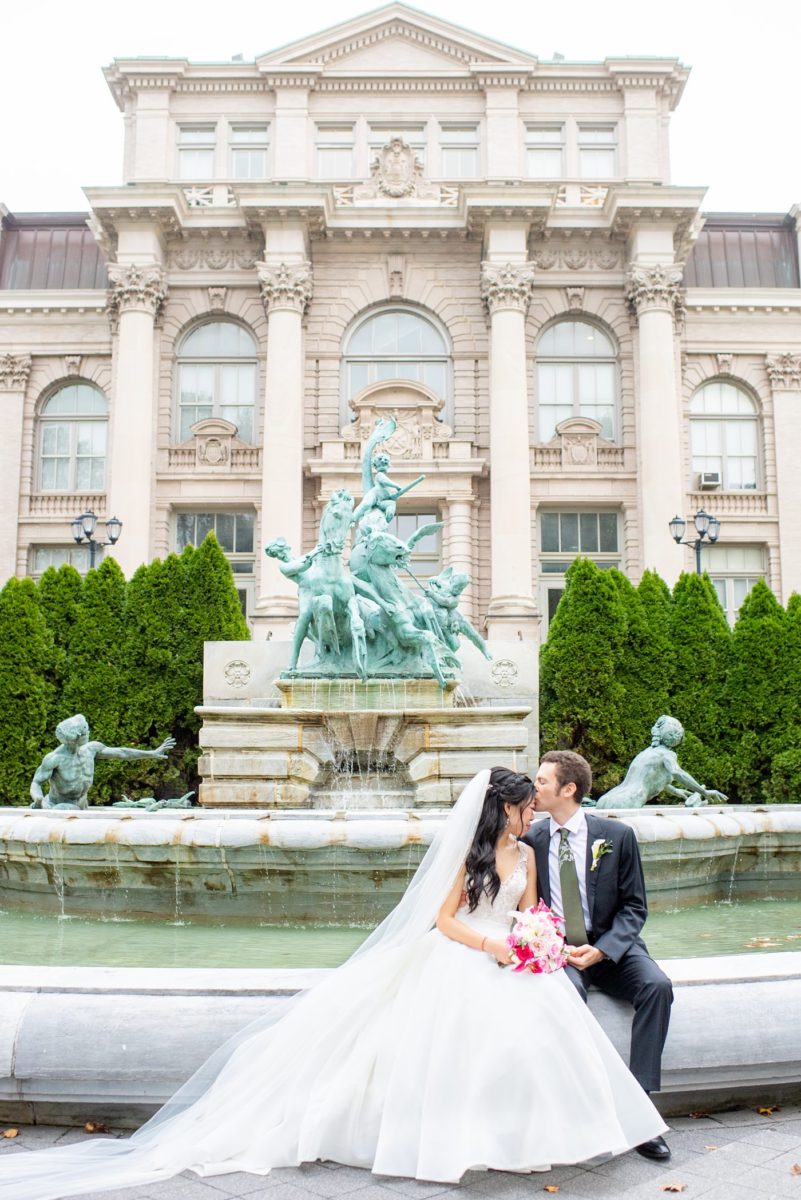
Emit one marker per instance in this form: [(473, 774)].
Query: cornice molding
[(285, 286), (136, 289), (14, 372), (506, 286), (784, 371)]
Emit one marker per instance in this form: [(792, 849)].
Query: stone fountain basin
[(732, 1036), (336, 866)]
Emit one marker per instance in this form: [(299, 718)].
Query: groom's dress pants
[(637, 979)]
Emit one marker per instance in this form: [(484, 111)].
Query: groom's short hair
[(571, 768)]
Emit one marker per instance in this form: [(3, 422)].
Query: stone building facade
[(399, 216)]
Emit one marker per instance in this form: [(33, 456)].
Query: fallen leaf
[(674, 1187), (769, 1110), (710, 1147), (698, 1116), (96, 1127), (551, 1187), (795, 1169), (10, 1133)]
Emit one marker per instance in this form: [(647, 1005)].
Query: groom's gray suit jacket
[(615, 889)]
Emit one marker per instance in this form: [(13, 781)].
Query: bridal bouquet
[(537, 941)]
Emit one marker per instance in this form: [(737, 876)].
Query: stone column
[(14, 372), (784, 372), (655, 297), (135, 299), (286, 290), (459, 524), (506, 291)]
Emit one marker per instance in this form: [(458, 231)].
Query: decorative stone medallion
[(237, 673), (504, 672)]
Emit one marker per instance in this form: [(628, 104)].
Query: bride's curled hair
[(505, 787)]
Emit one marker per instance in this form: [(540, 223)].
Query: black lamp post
[(707, 529), (83, 530)]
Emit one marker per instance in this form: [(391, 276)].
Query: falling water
[(737, 846)]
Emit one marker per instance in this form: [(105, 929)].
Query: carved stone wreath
[(237, 673), (504, 672)]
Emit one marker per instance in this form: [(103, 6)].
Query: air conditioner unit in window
[(707, 480)]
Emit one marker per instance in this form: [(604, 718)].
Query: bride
[(418, 1057)]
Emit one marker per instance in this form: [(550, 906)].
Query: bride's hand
[(498, 949)]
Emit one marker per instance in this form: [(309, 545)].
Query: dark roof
[(751, 250), (50, 250)]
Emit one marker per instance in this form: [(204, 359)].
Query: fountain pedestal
[(347, 743)]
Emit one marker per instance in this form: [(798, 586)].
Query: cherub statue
[(444, 591), (380, 491), (70, 768), (656, 770)]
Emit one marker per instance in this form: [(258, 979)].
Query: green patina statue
[(657, 770), (362, 619), (70, 768)]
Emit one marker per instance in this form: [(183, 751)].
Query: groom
[(589, 872)]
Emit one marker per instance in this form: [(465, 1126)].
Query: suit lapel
[(590, 876), (541, 843)]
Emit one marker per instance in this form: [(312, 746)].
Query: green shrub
[(60, 593), (643, 671), (582, 696), (701, 647), (26, 667), (756, 693)]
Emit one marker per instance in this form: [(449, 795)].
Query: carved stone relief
[(415, 411)]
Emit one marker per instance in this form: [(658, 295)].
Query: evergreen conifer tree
[(641, 671), (25, 688), (657, 603), (95, 681), (756, 698), (581, 692), (60, 594), (700, 644)]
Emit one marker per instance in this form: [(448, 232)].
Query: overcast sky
[(735, 131)]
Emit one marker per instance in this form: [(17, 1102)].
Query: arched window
[(724, 434), (217, 371), (72, 446), (576, 377), (397, 343)]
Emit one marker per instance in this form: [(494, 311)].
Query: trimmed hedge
[(129, 656)]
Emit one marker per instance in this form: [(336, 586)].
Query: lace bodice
[(494, 914)]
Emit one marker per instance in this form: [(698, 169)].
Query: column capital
[(656, 286), (506, 286), (134, 287), (14, 372), (784, 371), (287, 286)]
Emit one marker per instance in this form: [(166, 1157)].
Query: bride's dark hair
[(505, 787)]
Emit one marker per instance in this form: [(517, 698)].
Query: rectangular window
[(196, 145), (236, 533), (413, 135), (733, 570), (597, 146), (334, 151), (545, 151), (563, 536), (458, 146), (249, 146), (42, 557)]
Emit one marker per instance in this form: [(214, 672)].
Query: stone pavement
[(738, 1155)]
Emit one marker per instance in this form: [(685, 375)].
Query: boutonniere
[(599, 849)]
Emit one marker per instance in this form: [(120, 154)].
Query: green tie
[(575, 929)]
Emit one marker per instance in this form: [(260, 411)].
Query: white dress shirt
[(577, 840)]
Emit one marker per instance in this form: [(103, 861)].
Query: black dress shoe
[(657, 1150)]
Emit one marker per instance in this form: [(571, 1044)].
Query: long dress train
[(420, 1058)]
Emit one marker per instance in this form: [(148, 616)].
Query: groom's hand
[(582, 957)]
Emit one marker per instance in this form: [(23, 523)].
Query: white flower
[(600, 847)]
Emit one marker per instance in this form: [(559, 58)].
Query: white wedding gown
[(419, 1058)]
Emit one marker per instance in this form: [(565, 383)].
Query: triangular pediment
[(395, 37)]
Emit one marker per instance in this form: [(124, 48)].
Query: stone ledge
[(720, 1046)]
